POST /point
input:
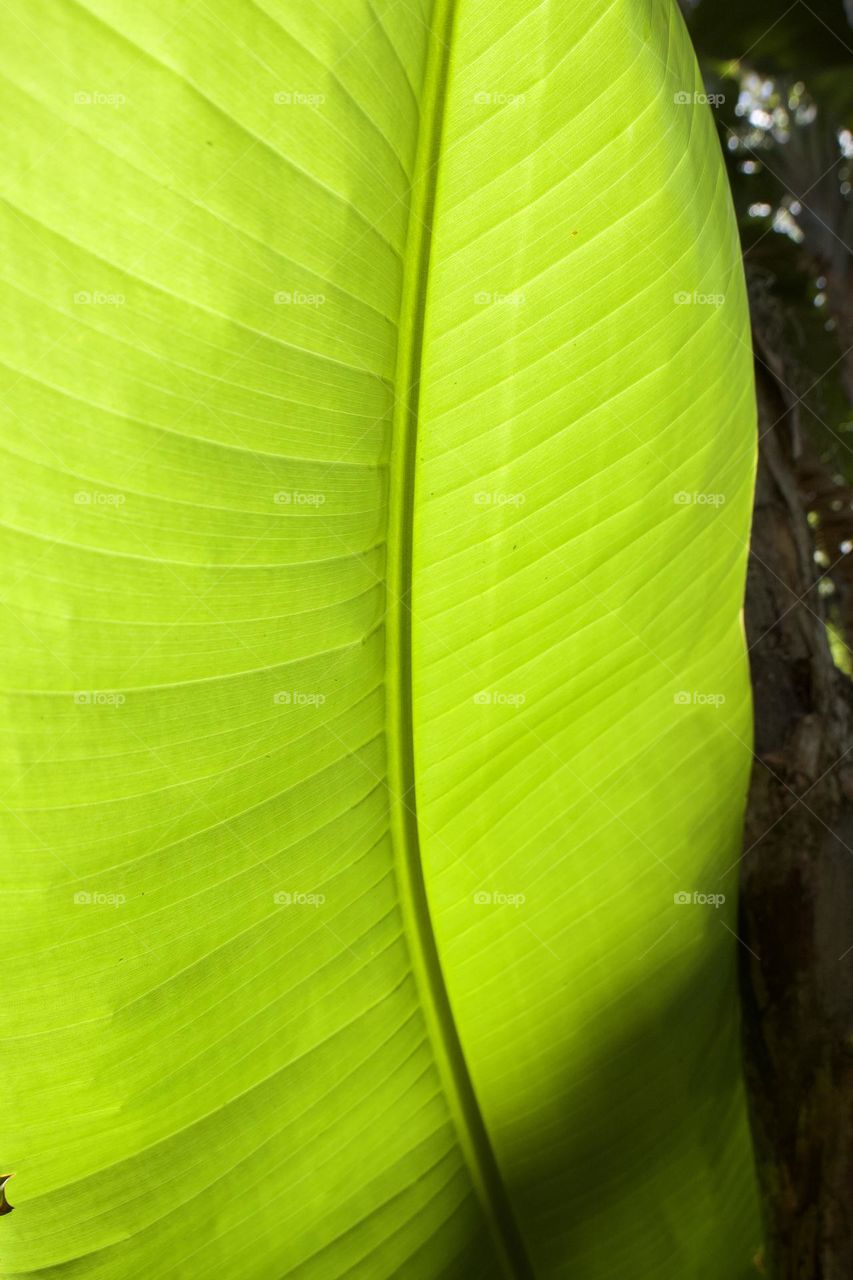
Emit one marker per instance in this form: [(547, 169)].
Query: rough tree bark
[(796, 910)]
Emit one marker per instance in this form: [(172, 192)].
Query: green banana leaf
[(377, 443)]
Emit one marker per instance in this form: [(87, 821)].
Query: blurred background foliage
[(785, 116)]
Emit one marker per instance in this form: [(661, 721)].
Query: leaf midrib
[(435, 1003)]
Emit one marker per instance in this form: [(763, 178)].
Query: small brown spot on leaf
[(5, 1207)]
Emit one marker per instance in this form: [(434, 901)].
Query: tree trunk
[(796, 908)]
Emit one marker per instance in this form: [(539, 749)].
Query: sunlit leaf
[(378, 432)]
